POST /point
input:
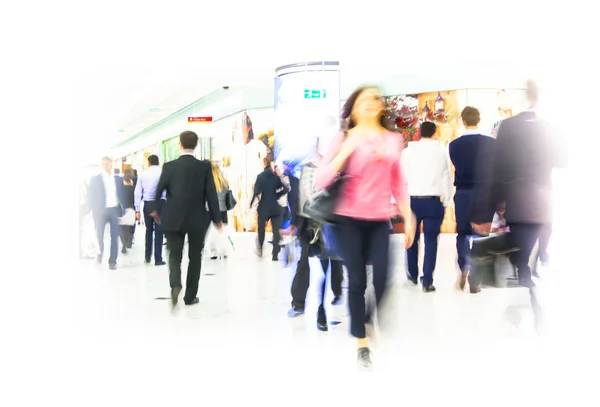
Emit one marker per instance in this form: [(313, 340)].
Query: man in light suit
[(524, 156), (105, 197), (190, 187)]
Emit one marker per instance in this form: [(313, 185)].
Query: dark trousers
[(276, 219), (430, 212), (110, 216), (224, 217), (126, 237), (131, 235), (175, 241), (301, 279), (544, 240), (525, 237), (464, 231), (154, 230), (361, 241)]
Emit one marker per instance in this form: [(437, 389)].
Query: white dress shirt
[(110, 189), (426, 170)]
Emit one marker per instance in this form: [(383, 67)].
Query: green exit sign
[(315, 94)]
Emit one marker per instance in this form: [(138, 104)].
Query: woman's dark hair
[(128, 175), (248, 123), (348, 121), (532, 91)]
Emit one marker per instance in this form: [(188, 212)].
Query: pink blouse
[(375, 173)]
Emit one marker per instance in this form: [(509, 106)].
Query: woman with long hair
[(222, 187), (127, 230), (369, 155)]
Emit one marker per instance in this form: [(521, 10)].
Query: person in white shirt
[(105, 198), (426, 168)]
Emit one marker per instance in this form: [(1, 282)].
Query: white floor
[(434, 345)]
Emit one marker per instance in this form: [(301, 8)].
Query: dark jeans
[(361, 241), (525, 237), (464, 231), (111, 216), (544, 240), (302, 277), (175, 242), (276, 222), (430, 212), (126, 236), (154, 230)]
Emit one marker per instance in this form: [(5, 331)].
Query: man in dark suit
[(270, 188), (190, 187), (466, 153), (105, 197), (524, 156)]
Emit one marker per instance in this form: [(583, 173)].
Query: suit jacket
[(190, 187), (520, 171), (96, 196), (267, 184)]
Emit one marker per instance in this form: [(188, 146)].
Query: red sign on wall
[(200, 119)]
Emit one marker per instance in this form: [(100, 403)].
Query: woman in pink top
[(370, 154)]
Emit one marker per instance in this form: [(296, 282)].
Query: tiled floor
[(241, 325)]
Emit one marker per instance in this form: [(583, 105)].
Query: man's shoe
[(295, 311), (175, 295), (193, 302), (428, 288), (364, 360), (112, 266), (160, 263)]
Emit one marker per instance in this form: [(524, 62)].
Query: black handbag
[(321, 207), (496, 245), (230, 201)]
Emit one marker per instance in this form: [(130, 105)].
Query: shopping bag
[(220, 243), (128, 218)]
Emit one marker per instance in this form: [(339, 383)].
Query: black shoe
[(526, 282), (175, 295), (414, 281), (428, 288), (160, 263), (322, 326), (192, 302), (337, 300), (147, 261), (275, 259), (124, 250), (364, 360), (112, 266), (214, 257)]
